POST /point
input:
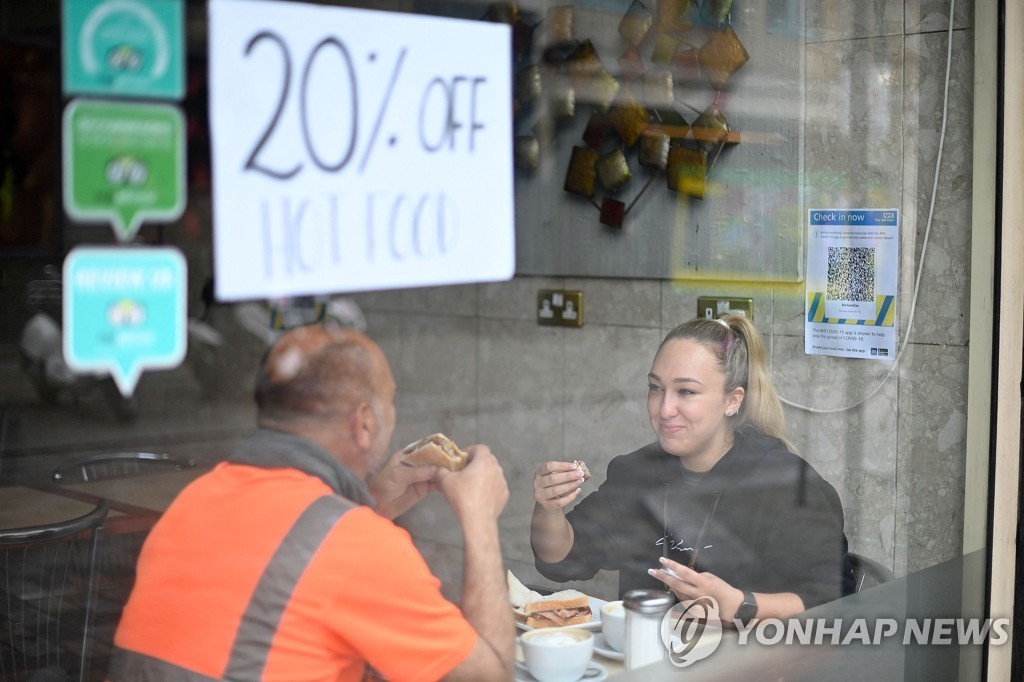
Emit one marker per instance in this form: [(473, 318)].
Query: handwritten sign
[(124, 311), (357, 149)]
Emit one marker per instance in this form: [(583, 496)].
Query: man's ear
[(364, 426)]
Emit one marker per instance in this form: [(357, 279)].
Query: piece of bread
[(582, 466), (518, 595), (437, 449)]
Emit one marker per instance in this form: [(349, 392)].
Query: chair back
[(867, 572), (117, 464), (48, 585)]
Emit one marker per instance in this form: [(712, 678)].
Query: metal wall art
[(638, 115)]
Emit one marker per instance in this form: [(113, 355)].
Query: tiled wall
[(472, 361)]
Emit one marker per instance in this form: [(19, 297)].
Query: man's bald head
[(317, 372)]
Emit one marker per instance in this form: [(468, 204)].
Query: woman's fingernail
[(663, 560), (651, 571), (579, 489)]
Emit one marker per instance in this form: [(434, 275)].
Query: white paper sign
[(357, 149), (852, 277)]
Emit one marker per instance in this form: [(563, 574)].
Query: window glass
[(668, 155)]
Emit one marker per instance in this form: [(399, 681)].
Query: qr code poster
[(852, 275)]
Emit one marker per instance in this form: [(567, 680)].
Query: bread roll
[(436, 449)]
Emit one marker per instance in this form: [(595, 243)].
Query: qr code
[(851, 274)]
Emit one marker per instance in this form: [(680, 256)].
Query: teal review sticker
[(125, 310), (124, 163), (124, 47)]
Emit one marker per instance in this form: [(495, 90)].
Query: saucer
[(602, 647), (595, 670)]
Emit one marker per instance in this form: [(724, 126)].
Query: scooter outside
[(41, 347)]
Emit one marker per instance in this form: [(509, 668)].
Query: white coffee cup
[(613, 624), (557, 654)]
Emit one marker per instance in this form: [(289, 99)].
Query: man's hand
[(398, 487), (480, 489)]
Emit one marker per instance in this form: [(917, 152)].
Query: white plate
[(595, 617), (602, 647), (597, 671)]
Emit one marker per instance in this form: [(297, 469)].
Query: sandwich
[(567, 607), (582, 466), (534, 610), (436, 449)]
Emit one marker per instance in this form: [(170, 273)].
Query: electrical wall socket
[(560, 308), (712, 307)]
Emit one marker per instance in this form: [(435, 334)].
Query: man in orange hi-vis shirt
[(282, 563)]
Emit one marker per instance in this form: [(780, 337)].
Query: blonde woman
[(719, 505)]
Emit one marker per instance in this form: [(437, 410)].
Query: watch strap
[(748, 608)]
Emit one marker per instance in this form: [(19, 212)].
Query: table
[(612, 666), (138, 494), (22, 506), (135, 501)]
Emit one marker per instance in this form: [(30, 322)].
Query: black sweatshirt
[(762, 519)]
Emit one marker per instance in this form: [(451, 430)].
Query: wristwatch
[(748, 609)]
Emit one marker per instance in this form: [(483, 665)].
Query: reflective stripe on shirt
[(263, 614)]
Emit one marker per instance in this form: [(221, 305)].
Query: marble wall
[(472, 361)]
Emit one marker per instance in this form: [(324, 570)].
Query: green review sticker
[(124, 163)]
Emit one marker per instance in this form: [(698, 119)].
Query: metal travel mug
[(645, 610)]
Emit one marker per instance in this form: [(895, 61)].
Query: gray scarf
[(279, 450)]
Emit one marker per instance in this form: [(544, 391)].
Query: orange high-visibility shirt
[(351, 588)]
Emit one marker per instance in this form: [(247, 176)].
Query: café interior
[(902, 105)]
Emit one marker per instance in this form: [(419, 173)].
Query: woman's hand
[(556, 485), (688, 584)]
